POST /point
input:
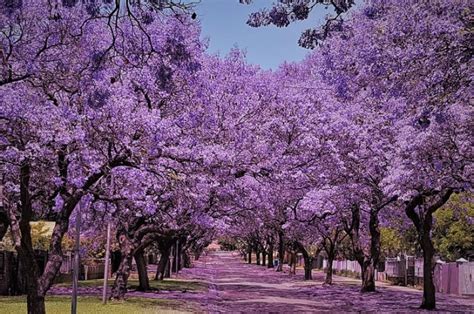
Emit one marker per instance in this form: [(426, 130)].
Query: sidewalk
[(319, 275)]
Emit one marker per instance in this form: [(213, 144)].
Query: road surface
[(235, 286)]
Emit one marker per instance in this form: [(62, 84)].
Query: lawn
[(167, 284), (93, 305)]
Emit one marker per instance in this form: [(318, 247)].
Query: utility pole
[(106, 269), (107, 248), (76, 267)]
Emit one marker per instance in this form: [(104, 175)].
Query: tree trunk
[(257, 255), (331, 257), (423, 221), (4, 221), (281, 251), (179, 256), (35, 304), (186, 259), (250, 255), (167, 273), (121, 278), (429, 292), (308, 261), (293, 263), (368, 277), (144, 284), (270, 255), (264, 257), (21, 233), (367, 263), (308, 266), (368, 280), (161, 267)]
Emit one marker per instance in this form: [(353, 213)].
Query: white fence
[(452, 278)]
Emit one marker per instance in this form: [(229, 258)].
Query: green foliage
[(393, 242), (40, 237), (93, 246), (453, 232), (390, 242), (7, 242)]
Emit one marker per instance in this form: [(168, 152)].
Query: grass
[(173, 285), (93, 305), (167, 284)]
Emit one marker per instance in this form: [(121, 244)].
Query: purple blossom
[(301, 11), (164, 77), (371, 12), (10, 6), (279, 16), (69, 3), (98, 99), (147, 18)]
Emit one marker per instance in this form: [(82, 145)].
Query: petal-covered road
[(238, 287)]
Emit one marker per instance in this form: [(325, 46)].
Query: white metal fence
[(452, 278)]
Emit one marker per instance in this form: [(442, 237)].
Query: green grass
[(167, 284), (93, 305), (173, 285)]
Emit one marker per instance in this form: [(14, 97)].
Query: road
[(235, 286)]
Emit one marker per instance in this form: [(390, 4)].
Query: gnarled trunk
[(420, 210), (144, 283), (368, 277), (368, 263), (121, 278), (161, 267)]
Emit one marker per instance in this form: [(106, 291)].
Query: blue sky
[(224, 23)]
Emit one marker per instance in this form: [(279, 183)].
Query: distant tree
[(453, 231), (40, 237), (284, 12)]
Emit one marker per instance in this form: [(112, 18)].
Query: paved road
[(238, 287)]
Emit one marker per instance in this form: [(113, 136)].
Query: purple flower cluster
[(98, 99), (301, 11), (279, 16)]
